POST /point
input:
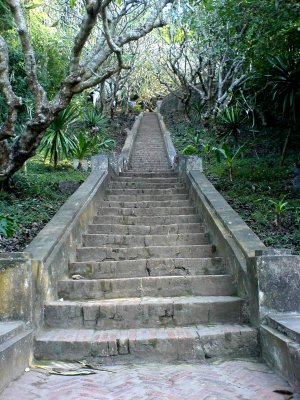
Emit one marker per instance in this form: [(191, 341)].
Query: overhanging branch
[(13, 102)]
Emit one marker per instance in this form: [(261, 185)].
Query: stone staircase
[(153, 287), (15, 345)]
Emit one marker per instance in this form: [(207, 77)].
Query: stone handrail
[(269, 278), (123, 159), (29, 279), (171, 151)]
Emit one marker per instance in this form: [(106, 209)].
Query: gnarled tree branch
[(39, 94), (13, 102)]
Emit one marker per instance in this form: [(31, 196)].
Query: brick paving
[(231, 380)]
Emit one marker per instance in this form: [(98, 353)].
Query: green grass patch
[(34, 199), (258, 179)]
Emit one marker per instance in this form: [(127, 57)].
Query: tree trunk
[(186, 103), (230, 173), (55, 159), (285, 146)]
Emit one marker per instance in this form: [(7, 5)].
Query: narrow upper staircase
[(154, 288)]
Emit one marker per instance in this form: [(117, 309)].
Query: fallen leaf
[(58, 371), (93, 366), (73, 373)]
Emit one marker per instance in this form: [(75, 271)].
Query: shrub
[(57, 143), (190, 150), (7, 225), (232, 121)]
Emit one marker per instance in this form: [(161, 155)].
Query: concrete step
[(134, 253), (10, 329), (15, 349), (145, 312), (146, 204), (152, 153), (150, 156), (150, 267), (162, 286), (139, 212), (119, 229), (166, 345), (155, 179), (155, 164), (151, 159), (141, 198), (147, 220), (145, 169), (149, 192), (162, 173), (152, 150), (142, 143), (145, 185), (148, 167), (113, 240), (286, 323), (282, 353)]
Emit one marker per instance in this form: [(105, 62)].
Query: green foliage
[(190, 150), (6, 21), (197, 110), (83, 146), (35, 198), (232, 121), (137, 108), (197, 138), (258, 177), (279, 207), (106, 145), (51, 44), (256, 181), (95, 122), (284, 81), (7, 226), (270, 29), (57, 143), (297, 216), (206, 148), (230, 156)]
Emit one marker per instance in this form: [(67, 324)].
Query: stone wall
[(172, 103), (16, 290)]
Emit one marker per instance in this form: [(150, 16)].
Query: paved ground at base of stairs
[(232, 380)]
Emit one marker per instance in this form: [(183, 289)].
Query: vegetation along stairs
[(151, 286)]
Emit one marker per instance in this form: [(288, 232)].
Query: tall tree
[(106, 27)]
